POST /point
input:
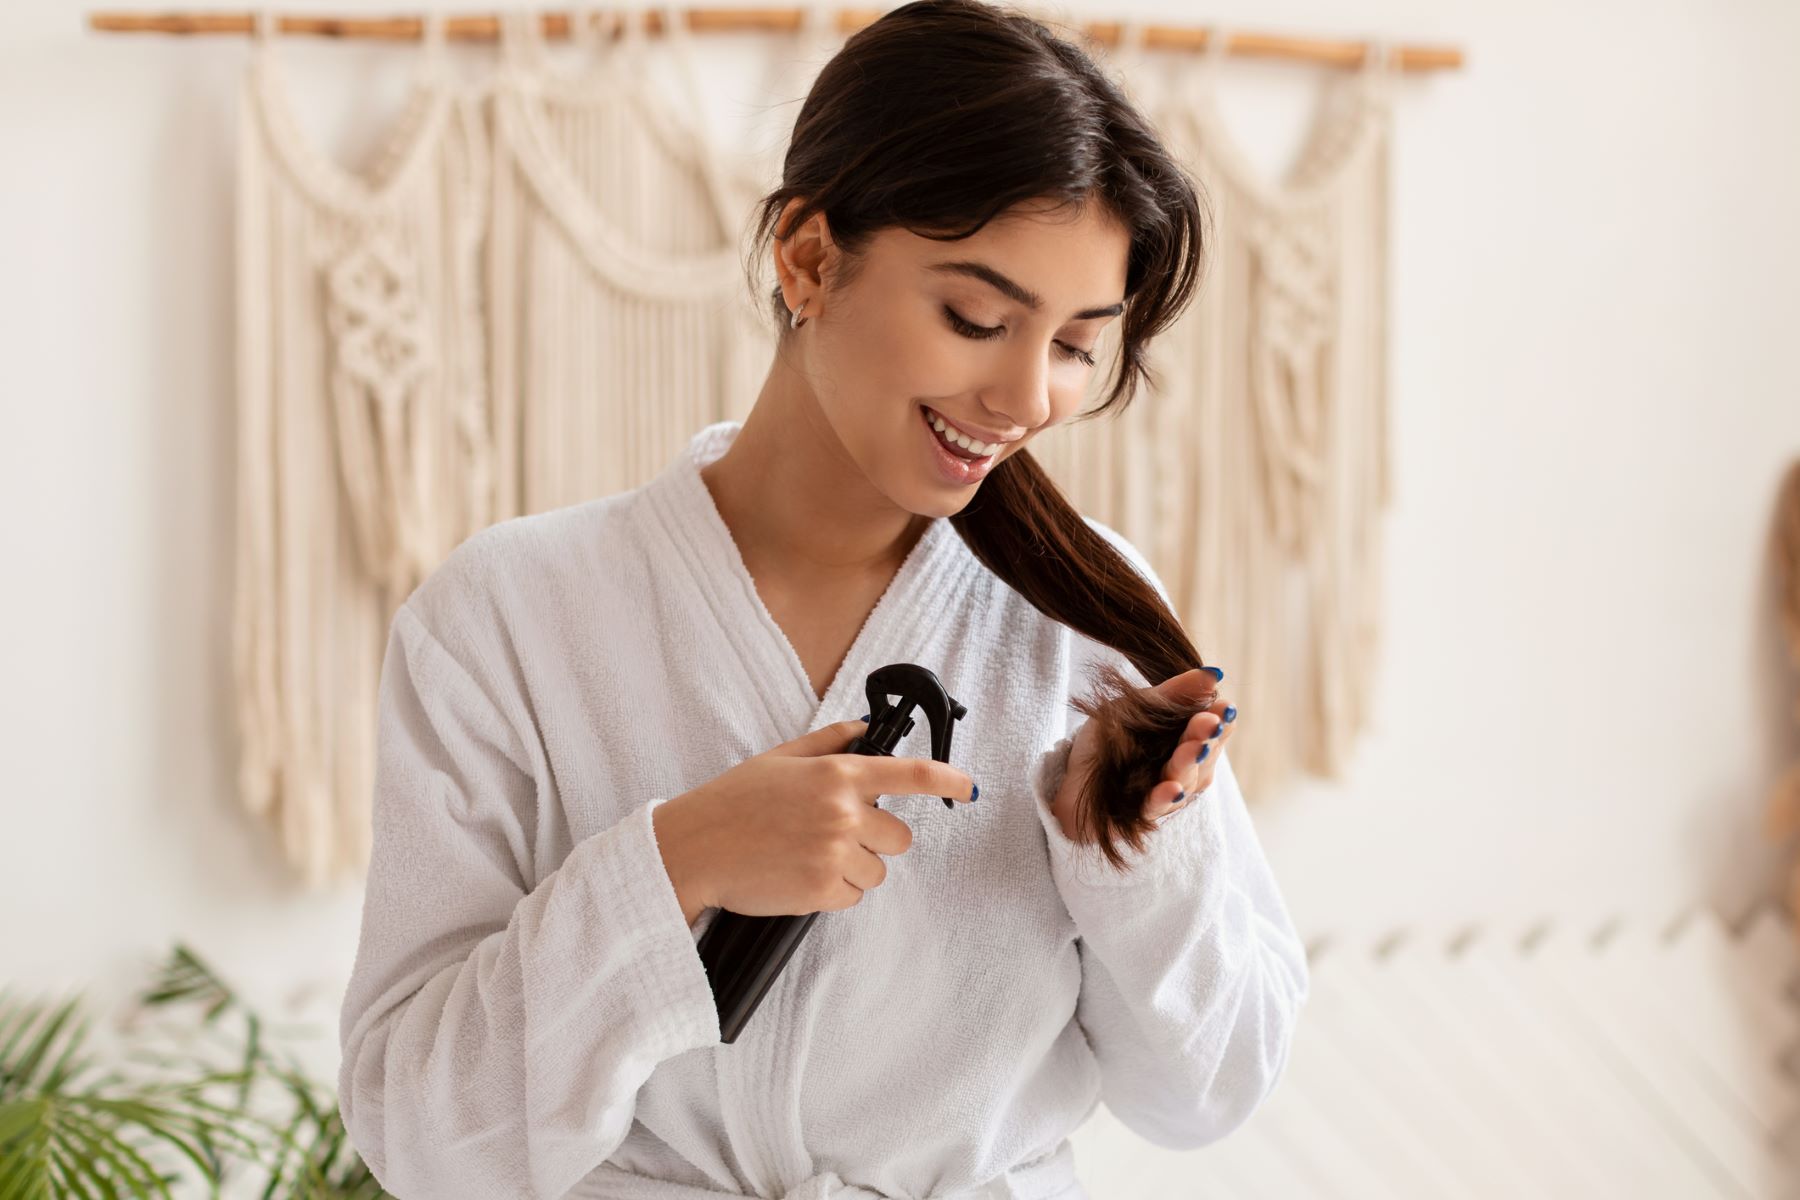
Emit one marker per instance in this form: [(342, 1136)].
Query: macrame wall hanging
[(536, 295), (1255, 474), (363, 453), (619, 317)]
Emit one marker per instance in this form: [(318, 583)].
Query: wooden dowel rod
[(479, 28)]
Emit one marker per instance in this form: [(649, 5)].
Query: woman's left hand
[(1188, 771)]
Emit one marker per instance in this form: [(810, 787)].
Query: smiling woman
[(603, 722), (1066, 212)]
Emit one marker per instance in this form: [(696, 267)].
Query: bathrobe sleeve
[(494, 1032), (1193, 974)]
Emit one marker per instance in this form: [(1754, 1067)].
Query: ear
[(804, 259)]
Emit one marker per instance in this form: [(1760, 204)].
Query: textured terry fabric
[(528, 1015)]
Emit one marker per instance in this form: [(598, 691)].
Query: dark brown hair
[(936, 118)]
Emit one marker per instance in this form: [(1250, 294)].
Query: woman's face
[(990, 334)]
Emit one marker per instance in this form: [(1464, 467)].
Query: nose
[(1022, 399)]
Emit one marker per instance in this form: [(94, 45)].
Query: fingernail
[(1179, 796), (1217, 730), (1216, 673), (1230, 714), (976, 794), (1204, 751), (865, 716)]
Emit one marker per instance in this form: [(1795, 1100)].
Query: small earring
[(795, 320)]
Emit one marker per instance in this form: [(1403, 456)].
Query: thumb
[(827, 739), (1196, 686)]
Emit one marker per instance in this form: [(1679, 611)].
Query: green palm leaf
[(71, 1127), (66, 1129)]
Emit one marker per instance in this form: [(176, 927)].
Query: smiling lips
[(958, 442)]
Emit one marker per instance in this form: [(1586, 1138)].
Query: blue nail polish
[(975, 794), (865, 716), (1230, 713), (1216, 673), (1179, 796), (1204, 751), (1217, 730)]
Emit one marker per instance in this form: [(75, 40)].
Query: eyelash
[(982, 333)]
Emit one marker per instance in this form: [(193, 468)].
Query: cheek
[(906, 353)]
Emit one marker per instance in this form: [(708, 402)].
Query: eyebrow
[(1016, 291)]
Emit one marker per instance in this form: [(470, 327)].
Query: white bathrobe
[(528, 1015)]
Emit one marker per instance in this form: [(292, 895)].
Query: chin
[(949, 507), (923, 499)]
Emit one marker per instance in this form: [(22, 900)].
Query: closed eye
[(982, 333)]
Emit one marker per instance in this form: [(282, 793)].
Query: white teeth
[(959, 438)]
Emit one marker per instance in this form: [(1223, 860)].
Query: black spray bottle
[(744, 954)]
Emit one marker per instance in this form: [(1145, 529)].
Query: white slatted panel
[(1613, 1060)]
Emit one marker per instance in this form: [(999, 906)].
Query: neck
[(795, 501)]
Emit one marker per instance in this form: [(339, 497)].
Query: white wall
[(1583, 698)]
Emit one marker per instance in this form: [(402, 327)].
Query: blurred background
[(1545, 883)]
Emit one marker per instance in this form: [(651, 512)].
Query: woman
[(601, 724)]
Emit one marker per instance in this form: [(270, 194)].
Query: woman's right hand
[(795, 829)]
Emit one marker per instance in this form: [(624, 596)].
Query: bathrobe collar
[(928, 587)]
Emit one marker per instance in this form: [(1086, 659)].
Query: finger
[(1227, 711), (1203, 725), (1180, 766), (865, 871), (1167, 796), (1208, 762), (827, 739), (884, 833), (1221, 733), (882, 775), (1213, 723), (1196, 760)]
